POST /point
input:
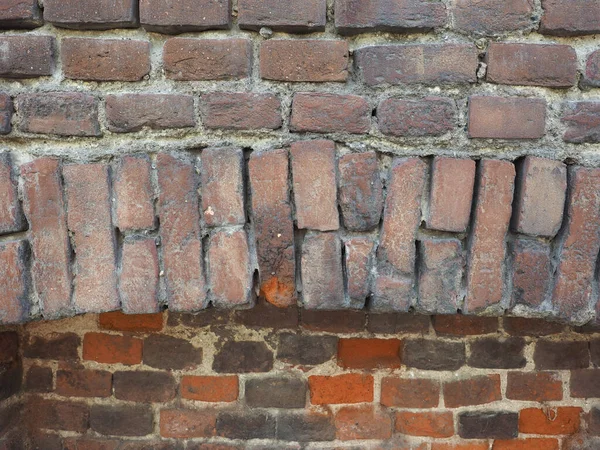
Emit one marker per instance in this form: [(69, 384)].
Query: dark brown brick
[(280, 392), (522, 326), (204, 318), (241, 111), (333, 321), (459, 325), (585, 383), (58, 415), (20, 14), (306, 350), (39, 379), (431, 116), (330, 113), (573, 18), (246, 425), (430, 354), (561, 355), (243, 357), (531, 272), (122, 420), (55, 346), (6, 113), (136, 323), (266, 315), (472, 391), (91, 14), (493, 353), (583, 122), (295, 16), (9, 346), (26, 56), (534, 386), (14, 302), (488, 425), (395, 323), (84, 383), (11, 379), (410, 392), (594, 421), (144, 386), (595, 352), (305, 427), (164, 16), (489, 17), (167, 352)]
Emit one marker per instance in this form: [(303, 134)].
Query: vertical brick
[(25, 56), (138, 282), (6, 113), (392, 294), (112, 349), (91, 14), (362, 422), (431, 116), (578, 247), (294, 16), (11, 216), (133, 194), (314, 185), (20, 14), (489, 17), (531, 275), (163, 16), (273, 226), (180, 233), (241, 111), (45, 210), (451, 195), (14, 304), (574, 18), (89, 220), (222, 186), (359, 260), (485, 276), (321, 268), (506, 118), (582, 120)]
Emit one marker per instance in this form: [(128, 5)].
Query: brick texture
[(294, 16), (241, 111), (91, 15), (20, 14), (13, 300), (163, 16), (27, 56), (490, 17), (6, 113), (575, 18), (415, 118), (506, 118), (582, 119)]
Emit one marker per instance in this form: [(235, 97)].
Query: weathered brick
[(187, 423), (210, 388), (20, 14), (489, 17), (25, 56), (592, 70), (585, 383), (398, 16), (229, 269), (428, 354), (60, 113), (493, 353), (105, 59), (488, 425), (122, 420), (134, 195), (526, 444), (524, 326), (180, 234), (243, 357), (594, 421), (88, 197), (506, 118), (321, 268), (138, 280), (362, 422), (340, 321), (305, 427), (246, 425), (573, 18), (276, 392), (91, 14), (306, 350), (189, 59), (164, 16), (359, 259), (118, 321), (55, 346), (436, 424), (39, 379), (314, 184), (11, 215), (84, 383), (563, 420), (330, 113), (410, 392), (304, 60), (6, 113), (265, 315), (241, 111), (531, 272), (292, 16), (472, 391), (58, 415), (460, 325), (485, 276), (392, 294), (171, 353), (563, 355), (583, 122), (534, 386), (431, 116), (273, 226), (440, 275), (578, 246), (595, 352), (144, 386), (360, 353), (430, 64), (346, 388), (464, 445), (548, 65), (112, 349)]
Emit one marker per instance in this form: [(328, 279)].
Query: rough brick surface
[(432, 424), (26, 56), (14, 305), (431, 116), (122, 420), (359, 260), (492, 353), (20, 14), (472, 391), (112, 349), (11, 215), (276, 392), (592, 70), (138, 281), (306, 350), (164, 16), (348, 388), (410, 393), (489, 17), (293, 16), (460, 325), (531, 272), (488, 424), (187, 423), (583, 122), (83, 383), (243, 357), (369, 353), (305, 427), (506, 118), (171, 353), (538, 387), (563, 421), (134, 195), (550, 355), (575, 18), (144, 386), (362, 422), (585, 383), (210, 388), (241, 111), (6, 113), (428, 354), (91, 14)]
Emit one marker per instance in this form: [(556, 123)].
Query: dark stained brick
[(243, 357)]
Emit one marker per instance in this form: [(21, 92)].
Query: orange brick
[(112, 349), (526, 444), (210, 389), (348, 388), (118, 321), (369, 353), (432, 424), (562, 420), (362, 422), (462, 446)]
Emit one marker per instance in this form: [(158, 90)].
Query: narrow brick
[(574, 18), (579, 247), (306, 350), (222, 186), (489, 17), (563, 420), (330, 113), (118, 321), (583, 122), (91, 14), (531, 275), (243, 357), (20, 14), (506, 118), (534, 386), (273, 226), (436, 424), (304, 60), (26, 56), (189, 59), (60, 113), (592, 70), (314, 185), (294, 16), (460, 325), (112, 349), (485, 276), (339, 321), (360, 353), (6, 113), (11, 215), (305, 427), (493, 353), (430, 64), (410, 392), (144, 386), (547, 65), (585, 383), (266, 315), (488, 425), (134, 195), (138, 281), (163, 16), (187, 423), (246, 425), (14, 302), (276, 392), (359, 260), (346, 388), (122, 420), (430, 354), (241, 111), (526, 444), (180, 234), (473, 391), (388, 323), (524, 326), (431, 116), (561, 355), (210, 388), (88, 197), (84, 383), (171, 353), (362, 422)]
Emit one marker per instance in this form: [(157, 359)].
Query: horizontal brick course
[(166, 17), (295, 16), (27, 56)]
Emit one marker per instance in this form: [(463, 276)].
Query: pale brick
[(139, 276), (359, 254), (134, 195), (14, 304), (11, 215)]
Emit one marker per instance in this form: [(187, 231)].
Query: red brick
[(91, 14), (295, 16), (20, 14), (11, 215), (6, 113), (229, 269), (461, 446), (118, 321), (314, 185), (361, 191), (26, 56), (490, 17), (539, 203), (304, 60), (132, 112), (346, 388), (138, 281), (560, 420), (459, 325), (105, 59), (472, 391), (112, 349), (573, 18), (583, 122), (241, 111), (134, 194), (122, 420), (88, 197), (60, 113), (534, 386), (485, 276), (188, 59), (359, 259), (431, 64), (358, 353), (187, 423), (531, 272), (548, 65), (84, 383), (144, 386), (330, 113), (431, 116), (592, 70), (180, 234), (14, 303), (398, 16), (410, 392), (523, 326), (222, 186), (210, 388), (578, 247), (164, 16), (585, 383), (58, 415), (362, 422), (273, 226), (526, 444), (438, 424)]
